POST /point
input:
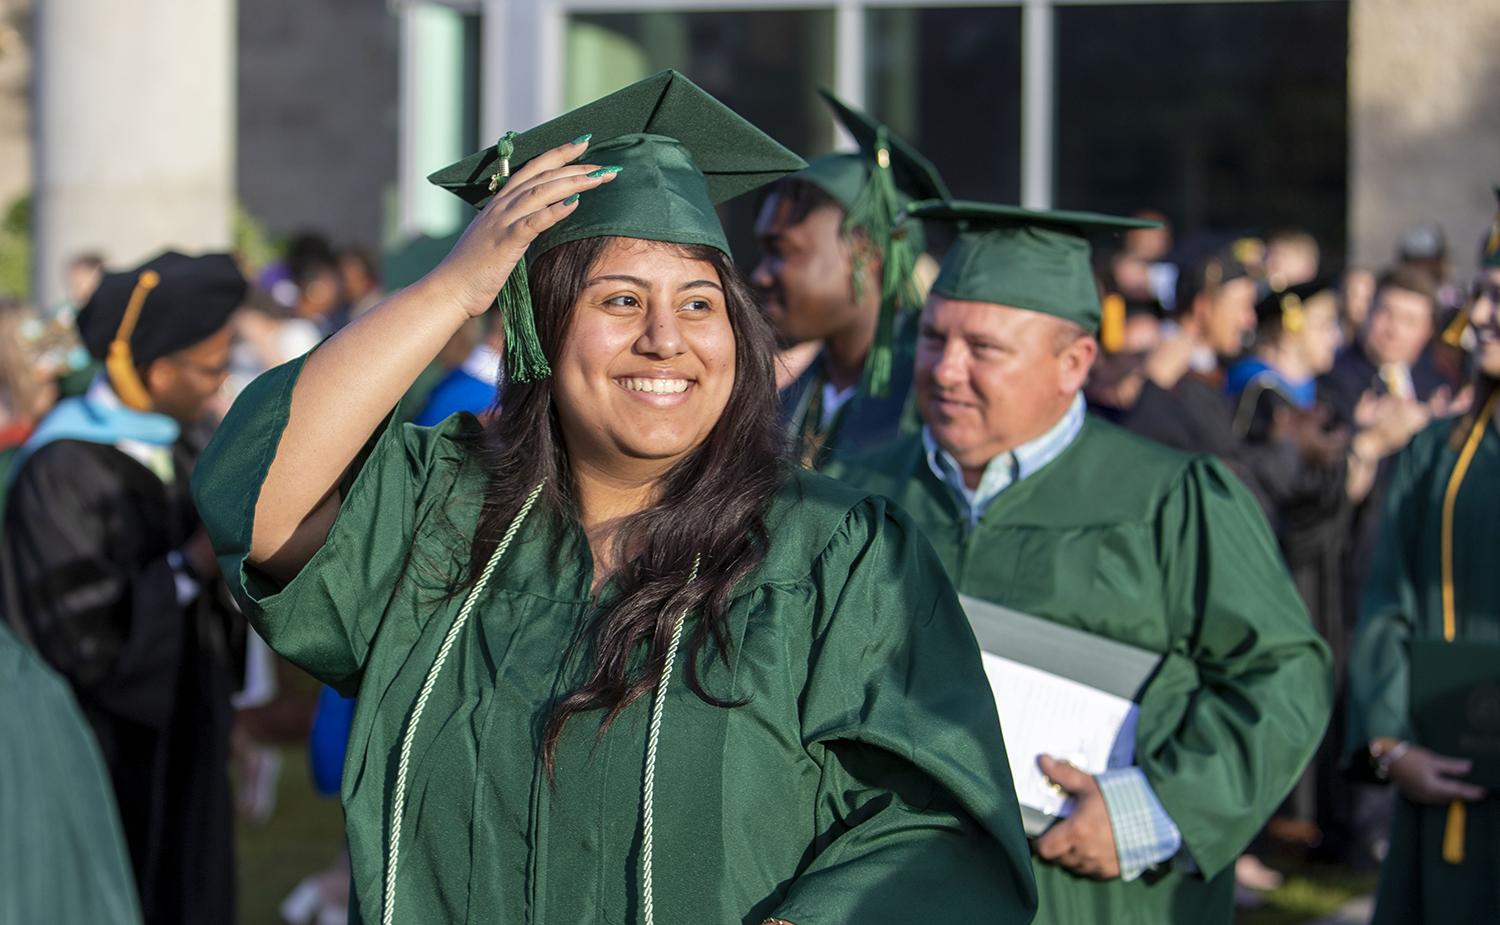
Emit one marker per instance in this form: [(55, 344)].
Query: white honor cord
[(398, 805), (648, 789)]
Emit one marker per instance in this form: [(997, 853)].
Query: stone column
[(1424, 124), (133, 131)]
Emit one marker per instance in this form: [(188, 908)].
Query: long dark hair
[(710, 506)]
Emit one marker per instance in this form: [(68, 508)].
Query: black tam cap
[(167, 304), (1288, 306)]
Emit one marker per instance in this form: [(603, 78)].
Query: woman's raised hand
[(539, 195)]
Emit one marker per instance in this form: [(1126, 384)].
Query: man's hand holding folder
[(1085, 841)]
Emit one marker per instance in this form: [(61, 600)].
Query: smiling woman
[(615, 660), (661, 404)]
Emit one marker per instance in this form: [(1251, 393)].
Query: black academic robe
[(1311, 514), (1340, 389), (1196, 416), (84, 575), (7, 459)]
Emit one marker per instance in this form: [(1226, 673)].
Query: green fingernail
[(582, 138), (570, 200), (604, 171)]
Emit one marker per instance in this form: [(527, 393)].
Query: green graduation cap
[(873, 184), (681, 151), (1024, 258), (845, 175), (1489, 253)]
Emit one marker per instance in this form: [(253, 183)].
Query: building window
[(949, 81), (1225, 116), (763, 64)]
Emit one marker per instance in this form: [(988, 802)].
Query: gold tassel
[(1112, 323), (1453, 334), (119, 363), (1450, 504), (1293, 315), (1453, 833)]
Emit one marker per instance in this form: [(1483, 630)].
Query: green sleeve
[(1224, 750), (1378, 662), (325, 618), (62, 852), (915, 802)]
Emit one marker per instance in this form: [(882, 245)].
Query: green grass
[(1311, 891), (303, 836)]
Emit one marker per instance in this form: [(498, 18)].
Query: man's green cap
[(1024, 258), (1489, 253), (843, 174), (680, 153)]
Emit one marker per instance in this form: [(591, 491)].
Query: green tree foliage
[(15, 250)]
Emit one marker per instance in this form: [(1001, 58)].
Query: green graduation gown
[(865, 422), (1403, 603), (62, 852), (1169, 552), (864, 780)]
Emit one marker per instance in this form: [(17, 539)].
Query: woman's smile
[(661, 391), (649, 360)]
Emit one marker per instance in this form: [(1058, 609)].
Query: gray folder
[(1113, 667)]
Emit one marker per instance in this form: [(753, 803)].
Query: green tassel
[(524, 359), (876, 212)]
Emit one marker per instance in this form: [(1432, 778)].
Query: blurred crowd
[(1306, 383)]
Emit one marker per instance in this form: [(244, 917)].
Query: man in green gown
[(1035, 505), (836, 269), (1432, 605)]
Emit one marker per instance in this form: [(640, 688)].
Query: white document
[(1044, 713)]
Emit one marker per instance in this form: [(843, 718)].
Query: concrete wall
[(316, 86), (317, 121), (1424, 112), (133, 129)]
